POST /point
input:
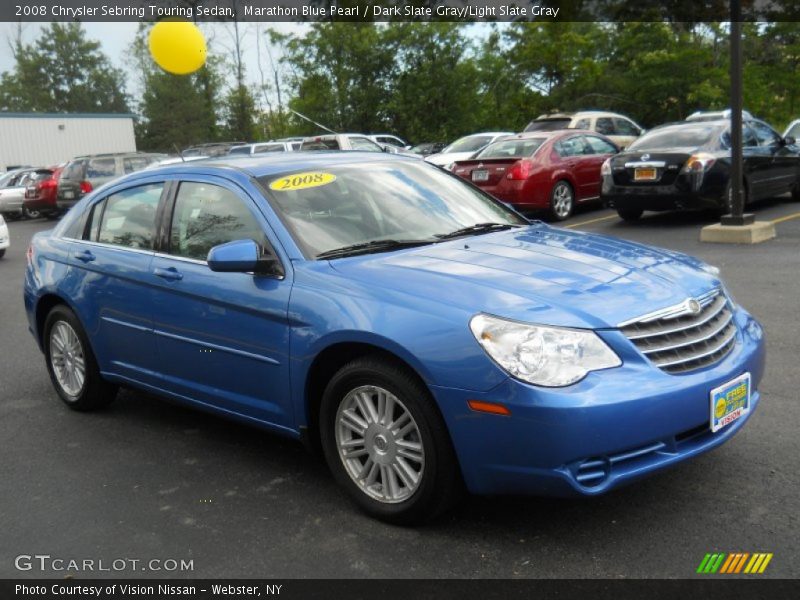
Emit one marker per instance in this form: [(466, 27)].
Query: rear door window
[(134, 163), (764, 135), (625, 127), (127, 218), (599, 145), (574, 146), (359, 143), (605, 125), (583, 124), (101, 167)]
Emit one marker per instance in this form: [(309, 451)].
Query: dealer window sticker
[(302, 181)]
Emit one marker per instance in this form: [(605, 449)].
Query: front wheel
[(386, 443), (562, 200), (71, 363)]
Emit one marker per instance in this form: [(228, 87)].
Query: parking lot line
[(591, 221), (786, 218)]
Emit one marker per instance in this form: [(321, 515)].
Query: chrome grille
[(677, 340)]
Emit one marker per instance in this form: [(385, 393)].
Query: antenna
[(180, 152), (302, 116)]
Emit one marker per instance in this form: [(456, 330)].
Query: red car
[(40, 195), (541, 170)]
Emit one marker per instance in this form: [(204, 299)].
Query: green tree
[(62, 72), (176, 111), (340, 77)]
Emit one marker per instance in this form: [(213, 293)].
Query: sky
[(115, 38)]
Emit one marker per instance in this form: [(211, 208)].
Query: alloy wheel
[(379, 444), (67, 358), (562, 200)]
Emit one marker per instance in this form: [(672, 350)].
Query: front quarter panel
[(434, 339)]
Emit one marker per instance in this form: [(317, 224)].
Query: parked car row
[(564, 159)]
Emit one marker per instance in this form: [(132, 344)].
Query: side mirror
[(789, 140), (243, 256)]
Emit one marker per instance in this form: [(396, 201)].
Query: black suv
[(85, 173)]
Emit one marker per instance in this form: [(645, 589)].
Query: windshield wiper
[(372, 246), (476, 229)]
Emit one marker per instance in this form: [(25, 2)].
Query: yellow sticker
[(302, 181)]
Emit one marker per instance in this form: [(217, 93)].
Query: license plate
[(482, 175), (69, 194), (644, 175), (730, 402)]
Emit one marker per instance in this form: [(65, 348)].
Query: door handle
[(170, 274), (86, 256)]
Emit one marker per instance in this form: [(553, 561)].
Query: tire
[(796, 192), (65, 344), (630, 214), (2, 253), (31, 213), (401, 484), (726, 205), (562, 201)]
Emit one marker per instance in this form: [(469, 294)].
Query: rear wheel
[(630, 214), (30, 213), (2, 253), (71, 363), (562, 201), (386, 443), (726, 207)]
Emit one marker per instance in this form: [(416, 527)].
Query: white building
[(44, 139)]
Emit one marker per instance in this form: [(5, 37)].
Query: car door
[(581, 162), (600, 151), (222, 338), (777, 161), (110, 264)]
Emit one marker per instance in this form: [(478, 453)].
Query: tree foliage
[(62, 72)]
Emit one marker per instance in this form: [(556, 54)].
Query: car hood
[(538, 274), (445, 159)]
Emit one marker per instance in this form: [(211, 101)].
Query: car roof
[(271, 164)]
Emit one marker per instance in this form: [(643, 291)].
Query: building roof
[(42, 115)]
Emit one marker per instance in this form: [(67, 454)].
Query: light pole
[(737, 216)]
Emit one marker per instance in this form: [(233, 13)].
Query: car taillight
[(699, 163), (520, 170), (86, 187), (29, 254)]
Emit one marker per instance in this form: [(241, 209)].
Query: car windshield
[(382, 201), (548, 125), (468, 144), (676, 137), (511, 148)]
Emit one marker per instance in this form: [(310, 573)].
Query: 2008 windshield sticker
[(301, 181)]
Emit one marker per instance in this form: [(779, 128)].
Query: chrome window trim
[(114, 246)]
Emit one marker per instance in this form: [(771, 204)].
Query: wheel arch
[(325, 365)]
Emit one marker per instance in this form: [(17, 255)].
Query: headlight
[(546, 356)]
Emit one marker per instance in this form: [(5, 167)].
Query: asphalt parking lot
[(146, 479)]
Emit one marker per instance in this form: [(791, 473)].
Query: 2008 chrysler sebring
[(423, 334)]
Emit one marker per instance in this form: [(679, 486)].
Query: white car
[(386, 138), (793, 130), (5, 240), (262, 147), (463, 148), (618, 128)]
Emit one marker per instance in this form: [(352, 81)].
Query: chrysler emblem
[(693, 306), (645, 157)]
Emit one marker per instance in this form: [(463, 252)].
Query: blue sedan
[(420, 333)]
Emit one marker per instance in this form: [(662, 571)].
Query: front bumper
[(609, 429)]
